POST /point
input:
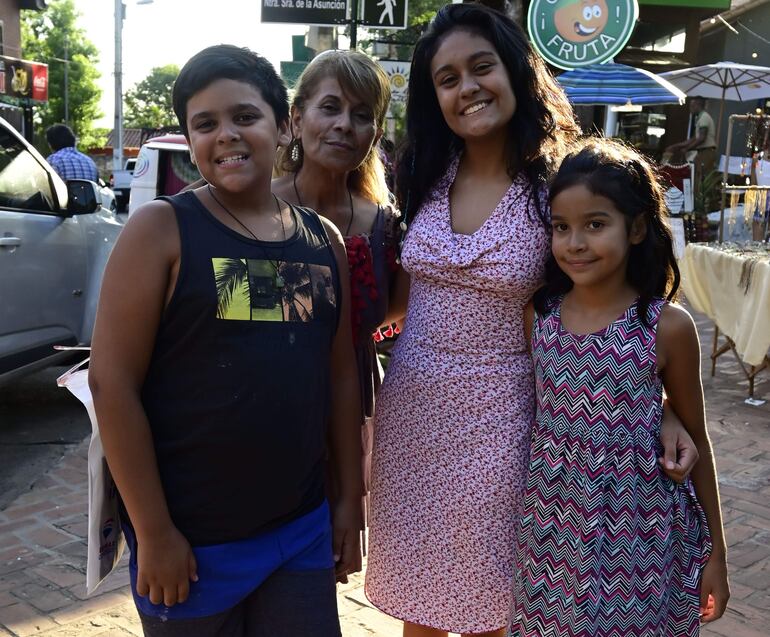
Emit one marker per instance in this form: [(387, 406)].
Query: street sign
[(574, 33), (320, 12), (385, 14)]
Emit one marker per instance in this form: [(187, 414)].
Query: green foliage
[(52, 36), (148, 104), (94, 138), (422, 11)]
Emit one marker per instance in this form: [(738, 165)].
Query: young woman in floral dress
[(486, 126)]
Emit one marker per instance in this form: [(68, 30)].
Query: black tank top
[(237, 390)]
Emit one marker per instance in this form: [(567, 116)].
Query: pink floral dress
[(451, 440)]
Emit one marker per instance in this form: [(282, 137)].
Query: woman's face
[(472, 86), (337, 130)]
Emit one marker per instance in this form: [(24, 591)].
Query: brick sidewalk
[(42, 546)]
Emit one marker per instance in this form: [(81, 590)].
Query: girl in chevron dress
[(609, 546)]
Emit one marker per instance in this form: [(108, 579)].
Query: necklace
[(243, 225), (278, 278), (350, 199)]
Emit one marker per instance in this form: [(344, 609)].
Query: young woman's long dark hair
[(538, 133), (622, 175)]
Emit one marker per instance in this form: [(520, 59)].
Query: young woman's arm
[(529, 320), (679, 360), (345, 427), (134, 292), (399, 295), (679, 451)]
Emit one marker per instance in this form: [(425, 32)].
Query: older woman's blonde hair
[(360, 77)]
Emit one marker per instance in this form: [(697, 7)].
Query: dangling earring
[(295, 150)]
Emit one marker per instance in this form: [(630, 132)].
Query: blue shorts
[(229, 573)]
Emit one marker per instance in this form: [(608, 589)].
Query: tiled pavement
[(42, 548)]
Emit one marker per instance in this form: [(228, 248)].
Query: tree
[(148, 104), (51, 37)]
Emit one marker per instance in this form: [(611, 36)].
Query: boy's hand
[(714, 590), (346, 537), (166, 565)]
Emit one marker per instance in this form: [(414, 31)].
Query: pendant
[(403, 226)]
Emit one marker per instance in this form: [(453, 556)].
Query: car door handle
[(9, 241)]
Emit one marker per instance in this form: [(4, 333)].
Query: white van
[(163, 167)]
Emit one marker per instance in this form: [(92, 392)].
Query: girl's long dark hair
[(538, 133), (622, 175)]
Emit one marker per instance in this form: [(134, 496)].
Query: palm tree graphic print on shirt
[(266, 290)]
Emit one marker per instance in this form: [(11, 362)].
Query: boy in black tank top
[(221, 350)]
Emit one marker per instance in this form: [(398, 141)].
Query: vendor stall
[(730, 283)]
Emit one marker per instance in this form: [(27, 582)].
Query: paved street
[(42, 531), (38, 423)]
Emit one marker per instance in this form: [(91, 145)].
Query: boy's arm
[(345, 426), (679, 357), (132, 299)]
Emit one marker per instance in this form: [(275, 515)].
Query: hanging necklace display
[(749, 204), (279, 282), (735, 197), (350, 199)]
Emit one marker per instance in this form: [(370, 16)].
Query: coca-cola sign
[(23, 79)]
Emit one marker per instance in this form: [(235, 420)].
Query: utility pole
[(117, 135), (66, 82), (353, 24)]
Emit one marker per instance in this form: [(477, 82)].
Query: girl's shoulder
[(674, 320), (676, 334)]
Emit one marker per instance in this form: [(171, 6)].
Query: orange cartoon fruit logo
[(580, 20)]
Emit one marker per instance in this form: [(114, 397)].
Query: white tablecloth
[(711, 280)]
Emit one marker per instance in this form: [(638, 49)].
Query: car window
[(23, 181)]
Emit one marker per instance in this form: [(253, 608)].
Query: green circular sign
[(574, 33)]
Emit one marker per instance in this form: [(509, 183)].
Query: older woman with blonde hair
[(333, 166)]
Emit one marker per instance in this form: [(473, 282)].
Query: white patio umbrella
[(723, 81)]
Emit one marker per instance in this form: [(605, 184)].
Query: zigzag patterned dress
[(609, 546)]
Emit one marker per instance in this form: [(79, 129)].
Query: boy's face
[(233, 135)]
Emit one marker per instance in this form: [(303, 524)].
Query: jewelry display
[(755, 212)]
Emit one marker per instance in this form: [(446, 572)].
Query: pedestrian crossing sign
[(384, 14)]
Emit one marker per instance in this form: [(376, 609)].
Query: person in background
[(67, 160), (703, 142)]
